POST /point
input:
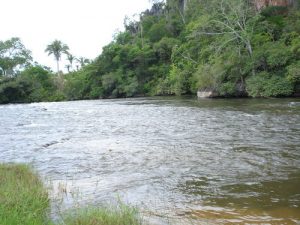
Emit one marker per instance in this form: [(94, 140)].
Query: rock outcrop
[(207, 94), (260, 4)]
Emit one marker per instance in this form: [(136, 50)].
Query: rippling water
[(181, 161)]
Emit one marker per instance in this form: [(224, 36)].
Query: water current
[(179, 160)]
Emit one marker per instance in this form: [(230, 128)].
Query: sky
[(84, 25)]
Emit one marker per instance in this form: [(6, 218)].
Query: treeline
[(226, 47), (22, 80)]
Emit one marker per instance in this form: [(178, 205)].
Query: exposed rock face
[(207, 94), (260, 4)]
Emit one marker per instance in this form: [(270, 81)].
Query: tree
[(68, 67), (234, 21), (13, 55), (71, 58), (57, 48), (83, 61)]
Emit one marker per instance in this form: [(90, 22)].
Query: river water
[(179, 160)]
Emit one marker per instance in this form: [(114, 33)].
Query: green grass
[(23, 198), (24, 201), (120, 215)]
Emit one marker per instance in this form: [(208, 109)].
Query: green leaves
[(57, 48), (272, 55), (224, 46), (268, 85), (293, 72), (164, 48), (13, 56), (34, 84)]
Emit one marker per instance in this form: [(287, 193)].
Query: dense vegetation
[(223, 46)]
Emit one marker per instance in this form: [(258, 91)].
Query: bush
[(265, 85), (274, 11), (227, 89), (177, 80), (293, 73), (12, 90)]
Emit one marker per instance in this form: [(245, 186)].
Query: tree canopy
[(228, 47), (57, 48), (13, 56), (225, 46)]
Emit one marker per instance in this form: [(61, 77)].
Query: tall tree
[(13, 55), (57, 48)]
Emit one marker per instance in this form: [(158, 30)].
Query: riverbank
[(25, 200)]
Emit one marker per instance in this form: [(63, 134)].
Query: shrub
[(293, 73), (265, 85), (227, 89)]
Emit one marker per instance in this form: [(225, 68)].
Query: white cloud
[(85, 25)]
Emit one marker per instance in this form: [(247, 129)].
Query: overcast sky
[(84, 25)]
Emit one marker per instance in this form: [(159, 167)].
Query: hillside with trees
[(231, 48)]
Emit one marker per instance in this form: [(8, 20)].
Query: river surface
[(179, 160)]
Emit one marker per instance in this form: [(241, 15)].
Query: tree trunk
[(141, 28), (57, 64), (250, 51)]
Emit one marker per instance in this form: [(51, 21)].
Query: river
[(179, 160)]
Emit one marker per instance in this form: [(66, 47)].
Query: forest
[(228, 47)]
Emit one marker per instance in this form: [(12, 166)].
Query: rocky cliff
[(260, 4)]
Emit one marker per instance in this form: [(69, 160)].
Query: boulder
[(207, 94)]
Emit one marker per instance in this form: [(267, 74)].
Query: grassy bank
[(120, 215), (24, 200)]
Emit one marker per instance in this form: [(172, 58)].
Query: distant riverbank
[(200, 95)]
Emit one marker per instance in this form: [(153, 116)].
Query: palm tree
[(83, 61), (57, 48), (71, 59), (68, 67)]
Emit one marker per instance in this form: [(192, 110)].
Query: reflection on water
[(180, 160)]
